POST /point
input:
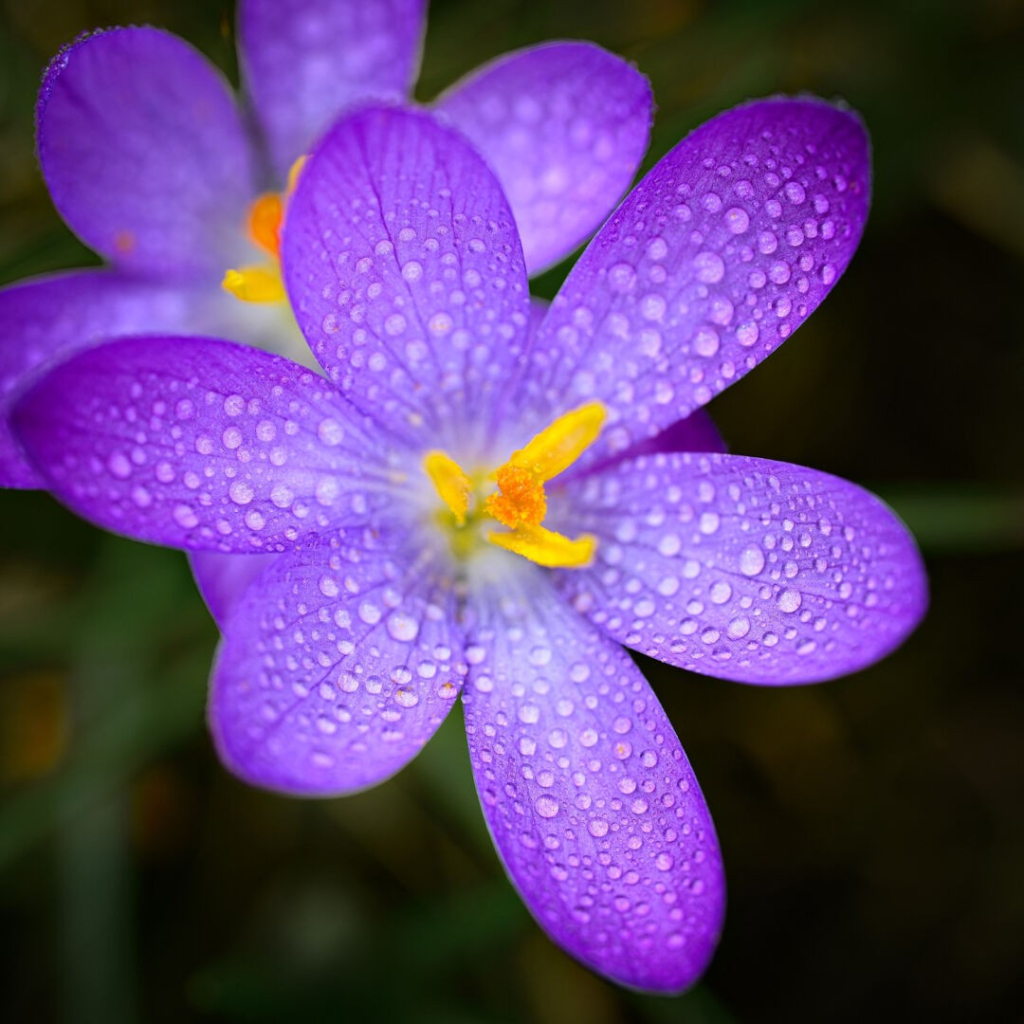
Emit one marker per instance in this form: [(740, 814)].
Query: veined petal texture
[(743, 568), (306, 61), (339, 663), (145, 153), (201, 444), (589, 797), (564, 126), (406, 275), (722, 251)]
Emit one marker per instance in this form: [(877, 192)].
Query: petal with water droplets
[(337, 665), (746, 569), (723, 250), (145, 152), (201, 444), (589, 797), (306, 61), (406, 275), (564, 126)]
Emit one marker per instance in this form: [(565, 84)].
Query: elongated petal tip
[(710, 263), (592, 804), (320, 689), (746, 569), (145, 153)]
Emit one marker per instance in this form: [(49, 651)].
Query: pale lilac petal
[(742, 568), (145, 153), (45, 320), (590, 799), (223, 579), (406, 275), (712, 260), (306, 61), (564, 126), (338, 664), (201, 444)]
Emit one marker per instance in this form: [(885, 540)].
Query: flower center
[(262, 282), (520, 502)]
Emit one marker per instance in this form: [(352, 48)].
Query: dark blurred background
[(872, 827)]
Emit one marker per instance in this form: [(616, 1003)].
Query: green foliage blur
[(872, 827)]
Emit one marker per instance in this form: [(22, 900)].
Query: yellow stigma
[(263, 225), (520, 502)]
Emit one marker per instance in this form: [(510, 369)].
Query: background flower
[(153, 164), (872, 826)]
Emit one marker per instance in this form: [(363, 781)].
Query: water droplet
[(241, 492), (706, 341), (402, 626), (790, 600), (737, 220), (709, 522), (119, 465), (330, 432), (709, 266), (546, 806), (185, 516), (369, 613), (597, 827), (747, 333), (739, 627), (751, 560)]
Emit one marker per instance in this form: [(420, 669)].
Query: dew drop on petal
[(546, 806), (751, 560)]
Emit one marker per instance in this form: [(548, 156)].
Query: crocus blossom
[(153, 163), (463, 506)]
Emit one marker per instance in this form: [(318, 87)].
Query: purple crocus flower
[(460, 507), (153, 164)]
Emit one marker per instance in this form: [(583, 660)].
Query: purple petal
[(712, 260), (742, 568), (145, 153), (223, 579), (564, 126), (339, 663), (592, 804), (200, 444), (406, 276), (306, 61)]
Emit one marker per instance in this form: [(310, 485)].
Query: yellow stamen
[(254, 284), (452, 484), (545, 547), (557, 447)]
